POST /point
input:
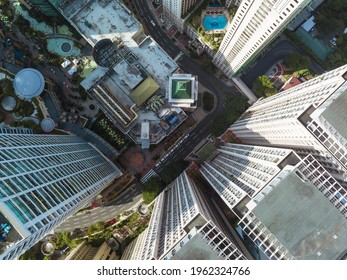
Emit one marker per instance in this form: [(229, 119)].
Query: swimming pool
[(214, 22)]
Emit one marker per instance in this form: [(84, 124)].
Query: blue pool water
[(214, 22)]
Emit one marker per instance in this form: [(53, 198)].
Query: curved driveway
[(202, 130), (279, 51)]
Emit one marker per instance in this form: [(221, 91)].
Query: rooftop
[(292, 82), (113, 20), (183, 89), (336, 114), (8, 103), (303, 219), (145, 135), (144, 91), (128, 73), (47, 125), (196, 249), (28, 83)]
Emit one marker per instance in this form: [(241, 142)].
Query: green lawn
[(205, 151), (207, 101)]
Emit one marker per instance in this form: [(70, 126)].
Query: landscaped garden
[(294, 65), (128, 225), (20, 112), (104, 128), (210, 38), (207, 101), (38, 29), (152, 187)]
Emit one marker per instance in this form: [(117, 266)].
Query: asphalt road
[(155, 30), (107, 212), (185, 145), (202, 130), (282, 49), (185, 62)]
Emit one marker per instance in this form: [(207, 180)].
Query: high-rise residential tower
[(43, 180), (301, 214), (182, 227), (241, 171), (174, 10), (255, 25), (291, 208), (309, 118)]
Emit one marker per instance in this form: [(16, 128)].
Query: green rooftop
[(144, 91), (181, 89)]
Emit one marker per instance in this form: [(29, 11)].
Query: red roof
[(293, 81)]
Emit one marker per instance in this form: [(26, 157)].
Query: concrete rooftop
[(336, 113), (128, 73), (196, 249), (113, 19), (303, 219)]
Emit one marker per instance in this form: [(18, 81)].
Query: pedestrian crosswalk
[(178, 56), (148, 175)]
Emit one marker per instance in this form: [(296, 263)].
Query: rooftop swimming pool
[(214, 22)]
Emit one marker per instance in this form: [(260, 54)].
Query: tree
[(62, 239), (263, 86), (334, 60), (208, 101), (152, 187), (24, 108), (331, 16), (28, 255), (234, 106), (2, 116), (100, 226), (270, 91), (173, 170), (297, 61)]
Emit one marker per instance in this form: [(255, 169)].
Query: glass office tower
[(43, 180)]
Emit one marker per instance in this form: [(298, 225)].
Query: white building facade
[(174, 10), (309, 118), (43, 180), (241, 171), (181, 227), (301, 214), (255, 25), (291, 208)]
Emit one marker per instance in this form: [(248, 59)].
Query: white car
[(152, 22), (333, 41)]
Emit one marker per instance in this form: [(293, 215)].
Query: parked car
[(333, 41)]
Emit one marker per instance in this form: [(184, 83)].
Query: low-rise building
[(183, 90), (132, 67)]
